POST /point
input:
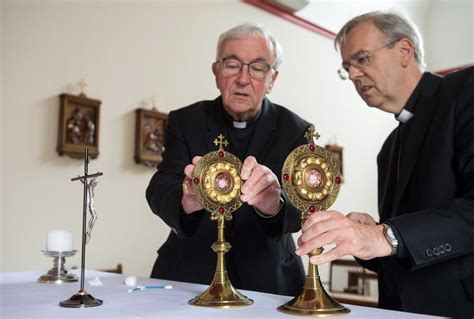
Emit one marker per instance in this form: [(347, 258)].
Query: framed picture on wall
[(150, 136), (78, 126)]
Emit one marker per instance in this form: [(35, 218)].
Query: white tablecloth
[(22, 297)]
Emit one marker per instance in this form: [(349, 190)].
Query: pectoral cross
[(221, 141), (311, 133)]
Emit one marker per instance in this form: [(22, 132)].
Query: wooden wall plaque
[(78, 126), (150, 136)]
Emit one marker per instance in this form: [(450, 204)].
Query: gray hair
[(393, 26), (249, 30)]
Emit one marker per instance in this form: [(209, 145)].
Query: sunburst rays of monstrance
[(311, 180), (217, 183)]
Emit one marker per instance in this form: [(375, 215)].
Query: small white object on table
[(131, 281)]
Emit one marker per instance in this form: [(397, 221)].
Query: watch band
[(390, 236)]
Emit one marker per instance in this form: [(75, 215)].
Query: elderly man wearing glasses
[(262, 256), (423, 246)]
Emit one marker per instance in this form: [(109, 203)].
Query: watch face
[(390, 233), (390, 236)]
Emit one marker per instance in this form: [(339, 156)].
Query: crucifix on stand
[(83, 299)]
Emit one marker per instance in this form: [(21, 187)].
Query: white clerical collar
[(404, 116), (240, 125)]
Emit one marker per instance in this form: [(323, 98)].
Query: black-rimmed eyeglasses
[(257, 69), (360, 61)]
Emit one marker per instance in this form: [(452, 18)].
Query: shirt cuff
[(259, 213), (402, 249)]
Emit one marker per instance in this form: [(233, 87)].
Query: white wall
[(333, 14), (451, 21), (445, 25), (128, 51)]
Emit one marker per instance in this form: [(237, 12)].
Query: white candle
[(59, 240)]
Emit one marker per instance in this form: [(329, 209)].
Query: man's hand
[(189, 200), (261, 188), (356, 234)]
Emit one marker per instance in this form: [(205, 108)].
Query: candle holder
[(58, 274)]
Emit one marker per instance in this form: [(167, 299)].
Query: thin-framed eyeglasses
[(257, 69), (360, 61)]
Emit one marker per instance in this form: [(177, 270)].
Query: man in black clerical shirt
[(262, 257), (423, 247)]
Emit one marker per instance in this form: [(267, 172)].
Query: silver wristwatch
[(388, 233)]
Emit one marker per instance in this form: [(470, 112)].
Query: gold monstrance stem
[(220, 247), (313, 300), (221, 293)]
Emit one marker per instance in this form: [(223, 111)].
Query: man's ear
[(214, 71), (214, 68), (274, 77), (407, 51)]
